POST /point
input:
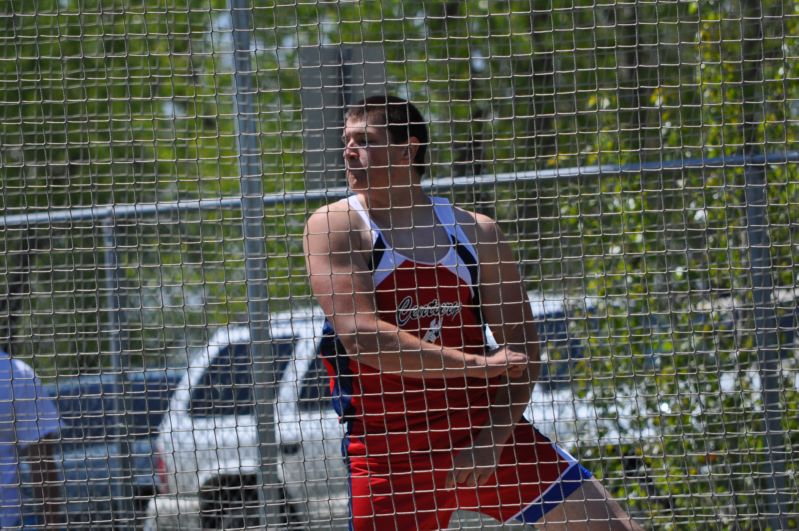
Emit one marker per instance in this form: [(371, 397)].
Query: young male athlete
[(408, 282)]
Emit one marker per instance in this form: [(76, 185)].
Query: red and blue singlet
[(440, 303)]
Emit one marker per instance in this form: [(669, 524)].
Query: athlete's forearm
[(510, 401), (507, 407), (384, 346)]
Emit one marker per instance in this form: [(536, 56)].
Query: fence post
[(767, 341), (759, 244), (252, 214), (119, 449)]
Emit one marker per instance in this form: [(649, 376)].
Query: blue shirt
[(26, 417)]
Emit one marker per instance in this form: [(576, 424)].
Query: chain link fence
[(160, 159)]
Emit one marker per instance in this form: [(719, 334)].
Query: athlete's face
[(371, 160)]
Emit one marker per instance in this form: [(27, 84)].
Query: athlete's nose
[(350, 151)]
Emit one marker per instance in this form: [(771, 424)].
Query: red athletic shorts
[(404, 493)]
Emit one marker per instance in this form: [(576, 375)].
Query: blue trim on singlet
[(333, 351), (378, 249), (470, 261), (568, 482)]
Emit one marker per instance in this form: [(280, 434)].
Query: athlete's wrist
[(474, 362), (495, 437)]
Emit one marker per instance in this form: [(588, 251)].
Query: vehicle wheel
[(233, 506)]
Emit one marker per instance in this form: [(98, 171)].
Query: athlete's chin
[(357, 181)]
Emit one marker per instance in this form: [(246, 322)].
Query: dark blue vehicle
[(105, 451)]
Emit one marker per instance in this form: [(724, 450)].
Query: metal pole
[(118, 450), (168, 208), (252, 209), (767, 340), (766, 334)]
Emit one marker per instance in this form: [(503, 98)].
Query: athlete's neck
[(399, 207)]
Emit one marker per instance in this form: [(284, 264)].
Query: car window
[(227, 387), (315, 385)]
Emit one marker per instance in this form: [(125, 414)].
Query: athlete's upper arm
[(503, 300), (338, 268)]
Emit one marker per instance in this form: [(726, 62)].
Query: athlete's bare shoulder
[(338, 227), (335, 217), (479, 228), (328, 215)]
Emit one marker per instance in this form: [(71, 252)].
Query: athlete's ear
[(413, 147)]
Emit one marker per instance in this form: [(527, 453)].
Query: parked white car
[(208, 455)]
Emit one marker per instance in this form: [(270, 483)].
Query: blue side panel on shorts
[(350, 523), (569, 481)]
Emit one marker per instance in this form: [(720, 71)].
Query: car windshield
[(226, 387), (314, 386)]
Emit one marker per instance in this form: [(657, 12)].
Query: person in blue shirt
[(29, 426)]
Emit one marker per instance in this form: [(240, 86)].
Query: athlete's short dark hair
[(402, 119)]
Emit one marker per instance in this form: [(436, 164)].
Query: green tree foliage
[(106, 103)]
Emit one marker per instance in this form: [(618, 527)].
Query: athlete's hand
[(474, 467), (504, 361)]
